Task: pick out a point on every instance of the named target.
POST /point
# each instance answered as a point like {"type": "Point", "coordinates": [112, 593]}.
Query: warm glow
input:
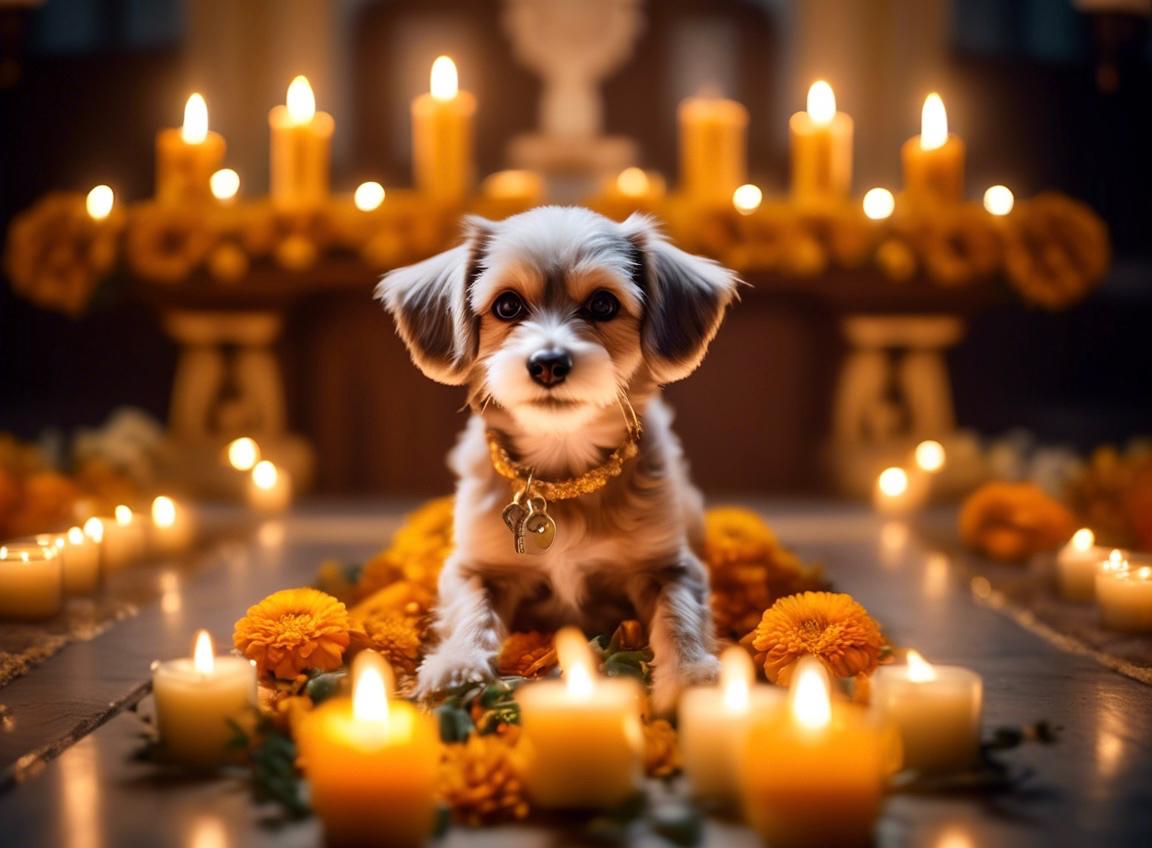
{"type": "Point", "coordinates": [163, 511]}
{"type": "Point", "coordinates": [243, 453]}
{"type": "Point", "coordinates": [195, 128]}
{"type": "Point", "coordinates": [893, 482]}
{"type": "Point", "coordinates": [1144, 572]}
{"type": "Point", "coordinates": [576, 661]}
{"type": "Point", "coordinates": [123, 515]}
{"type": "Point", "coordinates": [370, 683]}
{"type": "Point", "coordinates": [94, 530]}
{"type": "Point", "coordinates": [1083, 539]}
{"type": "Point", "coordinates": [930, 456]}
{"type": "Point", "coordinates": [225, 183]}
{"type": "Point", "coordinates": [809, 700]}
{"type": "Point", "coordinates": [747, 198]}
{"type": "Point", "coordinates": [368, 196]}
{"type": "Point", "coordinates": [933, 123]}
{"type": "Point", "coordinates": [203, 657]}
{"type": "Point", "coordinates": [632, 182]}
{"type": "Point", "coordinates": [265, 475]}
{"type": "Point", "coordinates": [444, 82]}
{"type": "Point", "coordinates": [1116, 561]}
{"type": "Point", "coordinates": [75, 536]}
{"type": "Point", "coordinates": [99, 202]}
{"type": "Point", "coordinates": [736, 674]}
{"type": "Point", "coordinates": [821, 103]}
{"type": "Point", "coordinates": [879, 204]}
{"type": "Point", "coordinates": [301, 101]}
{"type": "Point", "coordinates": [999, 200]}
{"type": "Point", "coordinates": [919, 669]}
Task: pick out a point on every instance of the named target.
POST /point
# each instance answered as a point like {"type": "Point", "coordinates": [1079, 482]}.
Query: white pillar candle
{"type": "Point", "coordinates": [79, 560]}
{"type": "Point", "coordinates": [196, 699]}
{"type": "Point", "coordinates": [581, 736]}
{"type": "Point", "coordinates": [937, 710]}
{"type": "Point", "coordinates": [269, 488]}
{"type": "Point", "coordinates": [31, 581]}
{"type": "Point", "coordinates": [1124, 596]}
{"type": "Point", "coordinates": [173, 526]}
{"type": "Point", "coordinates": [714, 721]}
{"type": "Point", "coordinates": [1076, 565]}
{"type": "Point", "coordinates": [123, 538]}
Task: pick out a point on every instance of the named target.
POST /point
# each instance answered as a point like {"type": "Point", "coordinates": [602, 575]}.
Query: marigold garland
{"type": "Point", "coordinates": [294, 631]}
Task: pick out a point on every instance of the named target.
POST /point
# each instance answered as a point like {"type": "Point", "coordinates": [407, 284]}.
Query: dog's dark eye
{"type": "Point", "coordinates": [508, 306]}
{"type": "Point", "coordinates": [602, 306]}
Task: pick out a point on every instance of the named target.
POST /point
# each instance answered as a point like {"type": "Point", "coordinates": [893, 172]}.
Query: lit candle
{"type": "Point", "coordinates": [898, 492]}
{"type": "Point", "coordinates": [123, 537]}
{"type": "Point", "coordinates": [442, 158]}
{"type": "Point", "coordinates": [713, 149]}
{"type": "Point", "coordinates": [746, 199]}
{"type": "Point", "coordinates": [937, 709]}
{"type": "Point", "coordinates": [821, 149]}
{"type": "Point", "coordinates": [225, 185]}
{"type": "Point", "coordinates": [243, 453]}
{"type": "Point", "coordinates": [173, 526]}
{"type": "Point", "coordinates": [713, 722]}
{"type": "Point", "coordinates": [371, 762]}
{"type": "Point", "coordinates": [79, 558]}
{"type": "Point", "coordinates": [197, 699]}
{"type": "Point", "coordinates": [301, 149]}
{"type": "Point", "coordinates": [999, 200]}
{"type": "Point", "coordinates": [99, 202]}
{"type": "Point", "coordinates": [1076, 566]}
{"type": "Point", "coordinates": [878, 204]}
{"type": "Point", "coordinates": [930, 456]}
{"type": "Point", "coordinates": [187, 157]}
{"type": "Point", "coordinates": [368, 196]}
{"type": "Point", "coordinates": [1124, 595]}
{"type": "Point", "coordinates": [31, 581]}
{"type": "Point", "coordinates": [526, 188]}
{"type": "Point", "coordinates": [813, 771]}
{"type": "Point", "coordinates": [581, 735]}
{"type": "Point", "coordinates": [269, 487]}
{"type": "Point", "coordinates": [933, 160]}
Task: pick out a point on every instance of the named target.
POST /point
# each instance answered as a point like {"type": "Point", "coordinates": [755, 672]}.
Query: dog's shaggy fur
{"type": "Point", "coordinates": [628, 550]}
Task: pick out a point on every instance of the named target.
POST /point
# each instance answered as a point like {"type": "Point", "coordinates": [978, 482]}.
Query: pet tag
{"type": "Point", "coordinates": [538, 530]}
{"type": "Point", "coordinates": [514, 514]}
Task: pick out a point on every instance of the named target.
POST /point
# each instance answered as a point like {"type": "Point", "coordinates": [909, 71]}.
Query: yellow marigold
{"type": "Point", "coordinates": [405, 597]}
{"type": "Point", "coordinates": [417, 551]}
{"type": "Point", "coordinates": [480, 780]}
{"type": "Point", "coordinates": [292, 631]}
{"type": "Point", "coordinates": [1013, 521]}
{"type": "Point", "coordinates": [661, 752]}
{"type": "Point", "coordinates": [734, 534]}
{"type": "Point", "coordinates": [397, 637]}
{"type": "Point", "coordinates": [832, 627]}
{"type": "Point", "coordinates": [529, 654]}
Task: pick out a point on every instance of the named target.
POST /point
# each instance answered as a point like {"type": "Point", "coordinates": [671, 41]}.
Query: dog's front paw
{"type": "Point", "coordinates": [453, 665]}
{"type": "Point", "coordinates": [669, 681]}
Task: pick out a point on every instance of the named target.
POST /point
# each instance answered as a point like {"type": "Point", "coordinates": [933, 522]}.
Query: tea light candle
{"type": "Point", "coordinates": [173, 526]}
{"type": "Point", "coordinates": [301, 149]}
{"type": "Point", "coordinates": [31, 581]}
{"type": "Point", "coordinates": [442, 157]}
{"type": "Point", "coordinates": [713, 722]}
{"type": "Point", "coordinates": [899, 492]}
{"type": "Point", "coordinates": [371, 762]}
{"type": "Point", "coordinates": [713, 149]}
{"type": "Point", "coordinates": [79, 559]}
{"type": "Point", "coordinates": [933, 160]}
{"type": "Point", "coordinates": [123, 538]}
{"type": "Point", "coordinates": [269, 487]}
{"type": "Point", "coordinates": [1076, 566]}
{"type": "Point", "coordinates": [1124, 596]}
{"type": "Point", "coordinates": [821, 149]}
{"type": "Point", "coordinates": [187, 157]}
{"type": "Point", "coordinates": [937, 710]}
{"type": "Point", "coordinates": [813, 771]}
{"type": "Point", "coordinates": [196, 699]}
{"type": "Point", "coordinates": [581, 735]}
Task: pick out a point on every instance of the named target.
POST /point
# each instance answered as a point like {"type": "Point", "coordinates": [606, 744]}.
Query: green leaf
{"type": "Point", "coordinates": [323, 686]}
{"type": "Point", "coordinates": [455, 723]}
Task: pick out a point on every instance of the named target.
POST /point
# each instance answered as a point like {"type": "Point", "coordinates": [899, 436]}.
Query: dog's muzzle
{"type": "Point", "coordinates": [550, 366]}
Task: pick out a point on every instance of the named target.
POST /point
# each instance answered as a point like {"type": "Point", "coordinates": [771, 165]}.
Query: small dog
{"type": "Point", "coordinates": [563, 325]}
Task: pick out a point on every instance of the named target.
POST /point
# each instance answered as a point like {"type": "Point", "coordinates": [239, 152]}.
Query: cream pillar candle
{"type": "Point", "coordinates": [1076, 566]}
{"type": "Point", "coordinates": [713, 149]}
{"type": "Point", "coordinates": [196, 699]}
{"type": "Point", "coordinates": [933, 160]}
{"type": "Point", "coordinates": [124, 538]}
{"type": "Point", "coordinates": [371, 763]}
{"type": "Point", "coordinates": [442, 156]}
{"type": "Point", "coordinates": [269, 487]}
{"type": "Point", "coordinates": [187, 157]}
{"type": "Point", "coordinates": [821, 150]}
{"type": "Point", "coordinates": [1124, 596]}
{"type": "Point", "coordinates": [79, 559]}
{"type": "Point", "coordinates": [581, 736]}
{"type": "Point", "coordinates": [31, 581]}
{"type": "Point", "coordinates": [937, 710]}
{"type": "Point", "coordinates": [713, 721]}
{"type": "Point", "coordinates": [173, 526]}
{"type": "Point", "coordinates": [301, 149]}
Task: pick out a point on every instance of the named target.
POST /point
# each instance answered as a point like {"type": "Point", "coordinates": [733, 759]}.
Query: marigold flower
{"type": "Point", "coordinates": [830, 626]}
{"type": "Point", "coordinates": [480, 780]}
{"type": "Point", "coordinates": [1013, 521]}
{"type": "Point", "coordinates": [397, 637]}
{"type": "Point", "coordinates": [529, 654]}
{"type": "Point", "coordinates": [404, 597]}
{"type": "Point", "coordinates": [661, 751]}
{"type": "Point", "coordinates": [292, 631]}
{"type": "Point", "coordinates": [417, 551]}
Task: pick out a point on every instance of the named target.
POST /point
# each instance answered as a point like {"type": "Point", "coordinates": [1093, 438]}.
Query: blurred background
{"type": "Point", "coordinates": [1048, 94]}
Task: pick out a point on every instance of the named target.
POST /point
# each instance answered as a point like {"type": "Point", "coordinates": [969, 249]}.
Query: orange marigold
{"type": "Point", "coordinates": [530, 654]}
{"type": "Point", "coordinates": [409, 599]}
{"type": "Point", "coordinates": [397, 637]}
{"type": "Point", "coordinates": [1013, 521]}
{"type": "Point", "coordinates": [292, 631]}
{"type": "Point", "coordinates": [417, 551]}
{"type": "Point", "coordinates": [661, 752]}
{"type": "Point", "coordinates": [480, 780]}
{"type": "Point", "coordinates": [830, 626]}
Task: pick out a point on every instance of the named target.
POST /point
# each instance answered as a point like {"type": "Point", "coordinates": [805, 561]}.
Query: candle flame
{"type": "Point", "coordinates": [203, 657]}
{"type": "Point", "coordinates": [265, 475]}
{"type": "Point", "coordinates": [933, 123]}
{"type": "Point", "coordinates": [632, 182]}
{"type": "Point", "coordinates": [930, 456]}
{"type": "Point", "coordinates": [371, 680]}
{"type": "Point", "coordinates": [444, 82]}
{"type": "Point", "coordinates": [94, 530]}
{"type": "Point", "coordinates": [75, 536]}
{"type": "Point", "coordinates": [747, 198]}
{"type": "Point", "coordinates": [576, 661]}
{"type": "Point", "coordinates": [1144, 572]}
{"type": "Point", "coordinates": [1083, 539]}
{"type": "Point", "coordinates": [99, 202]}
{"type": "Point", "coordinates": [24, 557]}
{"type": "Point", "coordinates": [809, 700]}
{"type": "Point", "coordinates": [368, 196]}
{"type": "Point", "coordinates": [225, 184]}
{"type": "Point", "coordinates": [919, 669]}
{"type": "Point", "coordinates": [243, 453]}
{"type": "Point", "coordinates": [999, 200]}
{"type": "Point", "coordinates": [123, 515]}
{"type": "Point", "coordinates": [1116, 561]}
{"type": "Point", "coordinates": [301, 101]}
{"type": "Point", "coordinates": [893, 482]}
{"type": "Point", "coordinates": [736, 673]}
{"type": "Point", "coordinates": [879, 204]}
{"type": "Point", "coordinates": [195, 128]}
{"type": "Point", "coordinates": [821, 103]}
{"type": "Point", "coordinates": [163, 511]}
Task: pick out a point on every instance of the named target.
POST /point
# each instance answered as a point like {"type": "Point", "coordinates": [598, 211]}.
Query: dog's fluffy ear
{"type": "Point", "coordinates": [429, 302]}
{"type": "Point", "coordinates": [684, 300]}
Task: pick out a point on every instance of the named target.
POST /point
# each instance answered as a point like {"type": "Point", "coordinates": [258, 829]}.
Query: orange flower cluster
{"type": "Point", "coordinates": [294, 631]}
{"type": "Point", "coordinates": [417, 551]}
{"type": "Point", "coordinates": [480, 780]}
{"type": "Point", "coordinates": [1113, 496]}
{"type": "Point", "coordinates": [661, 749]}
{"type": "Point", "coordinates": [1013, 521]}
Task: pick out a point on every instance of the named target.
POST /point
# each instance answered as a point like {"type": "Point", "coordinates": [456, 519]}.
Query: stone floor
{"type": "Point", "coordinates": [70, 781]}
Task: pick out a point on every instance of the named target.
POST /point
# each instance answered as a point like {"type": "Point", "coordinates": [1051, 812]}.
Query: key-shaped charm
{"type": "Point", "coordinates": [538, 529]}
{"type": "Point", "coordinates": [514, 515]}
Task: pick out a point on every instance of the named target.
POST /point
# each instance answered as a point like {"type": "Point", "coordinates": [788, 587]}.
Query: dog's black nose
{"type": "Point", "coordinates": [550, 366]}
